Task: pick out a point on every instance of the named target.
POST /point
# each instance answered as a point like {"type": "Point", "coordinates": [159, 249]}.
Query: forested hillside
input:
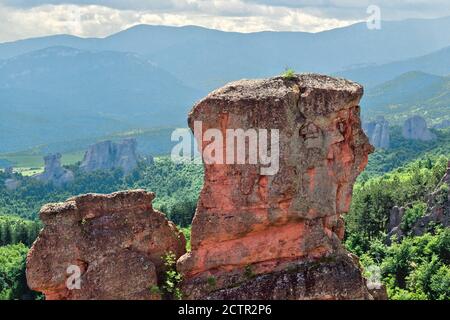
{"type": "Point", "coordinates": [59, 94]}
{"type": "Point", "coordinates": [16, 236]}
{"type": "Point", "coordinates": [176, 186]}
{"type": "Point", "coordinates": [416, 267]}
{"type": "Point", "coordinates": [412, 93]}
{"type": "Point", "coordinates": [403, 151]}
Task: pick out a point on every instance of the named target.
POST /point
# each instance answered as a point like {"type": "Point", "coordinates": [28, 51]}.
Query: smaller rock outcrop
{"type": "Point", "coordinates": [378, 133]}
{"type": "Point", "coordinates": [415, 128]}
{"type": "Point", "coordinates": [109, 155]}
{"type": "Point", "coordinates": [54, 172]}
{"type": "Point", "coordinates": [112, 244]}
{"type": "Point", "coordinates": [11, 183]}
{"type": "Point", "coordinates": [394, 224]}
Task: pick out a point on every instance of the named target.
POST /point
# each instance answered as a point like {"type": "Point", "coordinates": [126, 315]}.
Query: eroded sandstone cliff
{"type": "Point", "coordinates": [279, 236]}
{"type": "Point", "coordinates": [107, 155]}
{"type": "Point", "coordinates": [114, 242]}
{"type": "Point", "coordinates": [378, 133]}
{"type": "Point", "coordinates": [416, 128]}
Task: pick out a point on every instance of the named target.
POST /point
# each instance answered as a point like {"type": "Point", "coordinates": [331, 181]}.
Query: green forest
{"type": "Point", "coordinates": [415, 267]}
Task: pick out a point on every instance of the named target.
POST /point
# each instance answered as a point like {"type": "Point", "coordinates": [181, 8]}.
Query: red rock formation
{"type": "Point", "coordinates": [116, 241]}
{"type": "Point", "coordinates": [252, 223]}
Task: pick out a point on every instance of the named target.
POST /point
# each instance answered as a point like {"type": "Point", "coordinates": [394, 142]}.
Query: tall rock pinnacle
{"type": "Point", "coordinates": [249, 228]}
{"type": "Point", "coordinates": [107, 155]}
{"type": "Point", "coordinates": [54, 172]}
{"type": "Point", "coordinates": [415, 128]}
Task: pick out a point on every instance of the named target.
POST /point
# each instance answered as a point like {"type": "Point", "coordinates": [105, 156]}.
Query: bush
{"type": "Point", "coordinates": [440, 283]}
{"type": "Point", "coordinates": [417, 268]}
{"type": "Point", "coordinates": [288, 74]}
{"type": "Point", "coordinates": [12, 273]}
{"type": "Point", "coordinates": [373, 199]}
{"type": "Point", "coordinates": [177, 187]}
{"type": "Point", "coordinates": [412, 215]}
{"type": "Point", "coordinates": [173, 278]}
{"type": "Point", "coordinates": [15, 230]}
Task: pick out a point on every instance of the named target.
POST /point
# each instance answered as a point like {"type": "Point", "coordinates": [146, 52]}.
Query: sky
{"type": "Point", "coordinates": [20, 19]}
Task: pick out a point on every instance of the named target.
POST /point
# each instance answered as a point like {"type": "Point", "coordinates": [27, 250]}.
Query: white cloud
{"type": "Point", "coordinates": [29, 18]}
{"type": "Point", "coordinates": [97, 21]}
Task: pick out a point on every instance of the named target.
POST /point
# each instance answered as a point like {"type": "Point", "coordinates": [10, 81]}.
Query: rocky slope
{"type": "Point", "coordinates": [109, 155]}
{"type": "Point", "coordinates": [437, 213]}
{"type": "Point", "coordinates": [415, 128]}
{"type": "Point", "coordinates": [378, 133]}
{"type": "Point", "coordinates": [283, 231]}
{"type": "Point", "coordinates": [54, 172]}
{"type": "Point", "coordinates": [115, 243]}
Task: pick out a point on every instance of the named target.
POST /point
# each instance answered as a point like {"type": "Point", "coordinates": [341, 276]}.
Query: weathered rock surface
{"type": "Point", "coordinates": [261, 224]}
{"type": "Point", "coordinates": [438, 212]}
{"type": "Point", "coordinates": [378, 133]}
{"type": "Point", "coordinates": [331, 278]}
{"type": "Point", "coordinates": [109, 155]}
{"type": "Point", "coordinates": [394, 224]}
{"type": "Point", "coordinates": [415, 128]}
{"type": "Point", "coordinates": [54, 172]}
{"type": "Point", "coordinates": [378, 292]}
{"type": "Point", "coordinates": [117, 241]}
{"type": "Point", "coordinates": [395, 217]}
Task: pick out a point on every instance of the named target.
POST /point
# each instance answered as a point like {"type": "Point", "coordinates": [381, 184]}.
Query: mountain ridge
{"type": "Point", "coordinates": [62, 92]}
{"type": "Point", "coordinates": [437, 62]}
{"type": "Point", "coordinates": [411, 93]}
{"type": "Point", "coordinates": [352, 45]}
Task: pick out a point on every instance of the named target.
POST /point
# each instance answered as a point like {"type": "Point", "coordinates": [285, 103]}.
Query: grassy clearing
{"type": "Point", "coordinates": [29, 163]}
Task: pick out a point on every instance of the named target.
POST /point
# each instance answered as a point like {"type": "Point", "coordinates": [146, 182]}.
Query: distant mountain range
{"type": "Point", "coordinates": [64, 88]}
{"type": "Point", "coordinates": [59, 94]}
{"type": "Point", "coordinates": [437, 63]}
{"type": "Point", "coordinates": [206, 58]}
{"type": "Point", "coordinates": [412, 93]}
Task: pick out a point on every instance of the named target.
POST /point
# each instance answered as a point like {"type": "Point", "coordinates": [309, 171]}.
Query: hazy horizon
{"type": "Point", "coordinates": [100, 18]}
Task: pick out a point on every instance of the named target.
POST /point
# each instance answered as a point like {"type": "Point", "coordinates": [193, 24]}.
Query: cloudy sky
{"type": "Point", "coordinates": [97, 18]}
